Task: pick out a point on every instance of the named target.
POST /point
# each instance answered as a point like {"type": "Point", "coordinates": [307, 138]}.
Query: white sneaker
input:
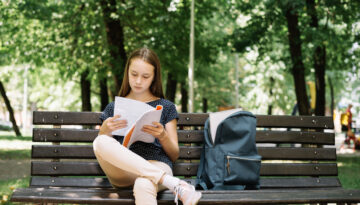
{"type": "Point", "coordinates": [186, 193]}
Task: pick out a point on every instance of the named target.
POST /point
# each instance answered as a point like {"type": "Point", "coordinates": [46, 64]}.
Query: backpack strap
{"type": "Point", "coordinates": [202, 179]}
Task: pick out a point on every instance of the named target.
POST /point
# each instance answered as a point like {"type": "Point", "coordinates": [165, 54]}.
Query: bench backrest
{"type": "Point", "coordinates": [292, 150]}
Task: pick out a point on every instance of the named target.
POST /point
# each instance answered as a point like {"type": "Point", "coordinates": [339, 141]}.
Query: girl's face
{"type": "Point", "coordinates": [141, 75]}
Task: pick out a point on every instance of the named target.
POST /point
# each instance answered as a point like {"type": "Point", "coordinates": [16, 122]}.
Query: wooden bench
{"type": "Point", "coordinates": [296, 167]}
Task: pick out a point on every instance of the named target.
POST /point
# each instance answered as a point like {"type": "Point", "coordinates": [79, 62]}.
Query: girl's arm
{"type": "Point", "coordinates": [167, 136]}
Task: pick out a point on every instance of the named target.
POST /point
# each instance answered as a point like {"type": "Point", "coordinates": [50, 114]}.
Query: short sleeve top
{"type": "Point", "coordinates": [149, 151]}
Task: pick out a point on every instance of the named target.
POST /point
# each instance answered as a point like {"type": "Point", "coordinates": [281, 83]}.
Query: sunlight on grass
{"type": "Point", "coordinates": [7, 186]}
{"type": "Point", "coordinates": [11, 136]}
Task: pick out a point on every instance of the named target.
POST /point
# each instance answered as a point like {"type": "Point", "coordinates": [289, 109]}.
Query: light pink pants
{"type": "Point", "coordinates": [125, 168]}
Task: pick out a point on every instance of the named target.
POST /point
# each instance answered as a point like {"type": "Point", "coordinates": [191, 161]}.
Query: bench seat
{"type": "Point", "coordinates": [112, 196]}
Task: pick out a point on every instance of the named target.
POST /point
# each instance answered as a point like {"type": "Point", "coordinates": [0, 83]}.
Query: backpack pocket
{"type": "Point", "coordinates": [242, 170]}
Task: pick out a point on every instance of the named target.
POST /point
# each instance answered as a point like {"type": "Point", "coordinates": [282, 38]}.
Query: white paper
{"type": "Point", "coordinates": [216, 118]}
{"type": "Point", "coordinates": [130, 110]}
{"type": "Point", "coordinates": [147, 119]}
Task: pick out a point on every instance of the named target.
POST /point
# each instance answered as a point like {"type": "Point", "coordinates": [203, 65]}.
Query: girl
{"type": "Point", "coordinates": [146, 166]}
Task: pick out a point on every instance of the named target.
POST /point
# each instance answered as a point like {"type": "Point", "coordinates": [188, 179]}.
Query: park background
{"type": "Point", "coordinates": [262, 55]}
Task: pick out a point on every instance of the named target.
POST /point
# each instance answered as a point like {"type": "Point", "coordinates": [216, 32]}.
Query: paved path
{"type": "Point", "coordinates": [339, 138]}
{"type": "Point", "coordinates": [14, 169]}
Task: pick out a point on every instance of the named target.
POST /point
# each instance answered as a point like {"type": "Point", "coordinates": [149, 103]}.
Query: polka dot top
{"type": "Point", "coordinates": [149, 151]}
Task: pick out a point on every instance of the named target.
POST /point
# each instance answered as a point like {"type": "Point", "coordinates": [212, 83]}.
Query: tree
{"type": "Point", "coordinates": [298, 68]}
{"type": "Point", "coordinates": [115, 41]}
{"type": "Point", "coordinates": [310, 25]}
{"type": "Point", "coordinates": [319, 60]}
{"type": "Point", "coordinates": [73, 42]}
{"type": "Point", "coordinates": [11, 112]}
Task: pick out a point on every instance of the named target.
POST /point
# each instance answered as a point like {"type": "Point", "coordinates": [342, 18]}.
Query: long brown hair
{"type": "Point", "coordinates": [150, 57]}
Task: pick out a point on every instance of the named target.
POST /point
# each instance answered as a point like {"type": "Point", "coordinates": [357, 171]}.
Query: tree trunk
{"type": "Point", "coordinates": [171, 88]}
{"type": "Point", "coordinates": [104, 96]}
{"type": "Point", "coordinates": [115, 40]}
{"type": "Point", "coordinates": [85, 91]}
{"type": "Point", "coordinates": [184, 98]}
{"type": "Point", "coordinates": [205, 105]}
{"type": "Point", "coordinates": [298, 68]}
{"type": "Point", "coordinates": [320, 66]}
{"type": "Point", "coordinates": [11, 112]}
{"type": "Point", "coordinates": [319, 62]}
{"type": "Point", "coordinates": [271, 101]}
{"type": "Point", "coordinates": [332, 106]}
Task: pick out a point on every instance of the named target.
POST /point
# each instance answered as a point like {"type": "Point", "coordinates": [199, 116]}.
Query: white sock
{"type": "Point", "coordinates": [170, 182]}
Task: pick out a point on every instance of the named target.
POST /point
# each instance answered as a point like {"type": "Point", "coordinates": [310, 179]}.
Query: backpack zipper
{"type": "Point", "coordinates": [241, 158]}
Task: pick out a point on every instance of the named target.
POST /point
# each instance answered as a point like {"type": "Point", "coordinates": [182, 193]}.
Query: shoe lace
{"type": "Point", "coordinates": [179, 191]}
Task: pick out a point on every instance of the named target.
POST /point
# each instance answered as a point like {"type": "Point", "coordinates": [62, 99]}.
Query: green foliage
{"type": "Point", "coordinates": [68, 37]}
{"type": "Point", "coordinates": [59, 40]}
{"type": "Point", "coordinates": [266, 33]}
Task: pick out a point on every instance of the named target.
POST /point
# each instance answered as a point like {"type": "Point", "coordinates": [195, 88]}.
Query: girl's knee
{"type": "Point", "coordinates": [144, 186]}
{"type": "Point", "coordinates": [101, 143]}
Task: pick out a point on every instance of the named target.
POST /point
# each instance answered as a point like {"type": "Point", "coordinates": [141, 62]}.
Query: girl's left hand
{"type": "Point", "coordinates": [157, 130]}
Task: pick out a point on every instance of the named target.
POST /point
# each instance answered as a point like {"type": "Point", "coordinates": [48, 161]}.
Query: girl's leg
{"type": "Point", "coordinates": [113, 157]}
{"type": "Point", "coordinates": [116, 176]}
{"type": "Point", "coordinates": [122, 167]}
{"type": "Point", "coordinates": [145, 191]}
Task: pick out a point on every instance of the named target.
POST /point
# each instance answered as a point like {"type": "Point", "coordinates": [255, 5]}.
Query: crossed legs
{"type": "Point", "coordinates": [125, 168]}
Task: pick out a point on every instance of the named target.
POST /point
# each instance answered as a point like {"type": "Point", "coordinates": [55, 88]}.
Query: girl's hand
{"type": "Point", "coordinates": [111, 124]}
{"type": "Point", "coordinates": [157, 130]}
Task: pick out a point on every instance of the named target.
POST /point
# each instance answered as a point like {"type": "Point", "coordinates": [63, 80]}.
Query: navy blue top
{"type": "Point", "coordinates": [149, 151]}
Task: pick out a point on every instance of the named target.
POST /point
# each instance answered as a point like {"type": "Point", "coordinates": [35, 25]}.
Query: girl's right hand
{"type": "Point", "coordinates": [111, 124]}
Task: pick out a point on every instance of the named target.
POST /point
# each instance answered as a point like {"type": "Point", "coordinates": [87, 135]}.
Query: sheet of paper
{"type": "Point", "coordinates": [147, 119]}
{"type": "Point", "coordinates": [130, 110]}
{"type": "Point", "coordinates": [216, 118]}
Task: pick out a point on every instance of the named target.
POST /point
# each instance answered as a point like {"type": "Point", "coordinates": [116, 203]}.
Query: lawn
{"type": "Point", "coordinates": [349, 168]}
{"type": "Point", "coordinates": [349, 171]}
{"type": "Point", "coordinates": [6, 187]}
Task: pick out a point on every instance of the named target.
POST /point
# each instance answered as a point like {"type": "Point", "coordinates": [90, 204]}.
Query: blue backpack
{"type": "Point", "coordinates": [232, 161]}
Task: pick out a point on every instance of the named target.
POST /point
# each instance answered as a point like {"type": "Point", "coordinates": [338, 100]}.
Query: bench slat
{"type": "Point", "coordinates": [319, 138]}
{"type": "Point", "coordinates": [88, 135]}
{"type": "Point", "coordinates": [66, 118]}
{"type": "Point", "coordinates": [41, 168]}
{"type": "Point", "coordinates": [187, 152]}
{"type": "Point", "coordinates": [266, 183]}
{"type": "Point", "coordinates": [193, 119]}
{"type": "Point", "coordinates": [295, 121]}
{"type": "Point", "coordinates": [76, 195]}
{"type": "Point", "coordinates": [187, 136]}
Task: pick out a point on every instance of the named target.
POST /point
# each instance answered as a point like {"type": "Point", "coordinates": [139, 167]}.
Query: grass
{"type": "Point", "coordinates": [7, 186]}
{"type": "Point", "coordinates": [15, 154]}
{"type": "Point", "coordinates": [349, 169]}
